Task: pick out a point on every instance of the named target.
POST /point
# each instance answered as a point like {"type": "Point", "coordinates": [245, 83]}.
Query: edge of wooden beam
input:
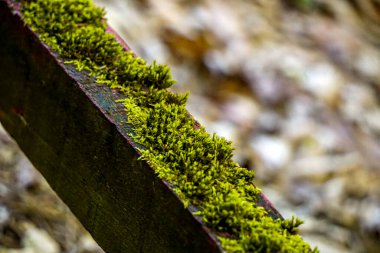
{"type": "Point", "coordinates": [76, 135]}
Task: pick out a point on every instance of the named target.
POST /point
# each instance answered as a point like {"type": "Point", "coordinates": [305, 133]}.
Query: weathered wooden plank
{"type": "Point", "coordinates": [77, 136]}
{"type": "Point", "coordinates": [74, 133]}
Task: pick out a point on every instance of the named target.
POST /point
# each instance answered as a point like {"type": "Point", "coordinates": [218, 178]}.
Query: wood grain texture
{"type": "Point", "coordinates": [75, 135]}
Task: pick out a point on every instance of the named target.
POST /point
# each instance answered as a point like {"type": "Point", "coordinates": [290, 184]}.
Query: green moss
{"type": "Point", "coordinates": [198, 165]}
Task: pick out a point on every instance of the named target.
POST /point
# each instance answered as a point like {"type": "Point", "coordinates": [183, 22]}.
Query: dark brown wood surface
{"type": "Point", "coordinates": [76, 135]}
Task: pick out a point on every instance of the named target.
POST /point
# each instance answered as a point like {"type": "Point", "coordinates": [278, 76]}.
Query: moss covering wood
{"type": "Point", "coordinates": [197, 164]}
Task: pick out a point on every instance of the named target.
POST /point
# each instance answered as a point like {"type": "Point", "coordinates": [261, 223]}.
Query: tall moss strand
{"type": "Point", "coordinates": [197, 164]}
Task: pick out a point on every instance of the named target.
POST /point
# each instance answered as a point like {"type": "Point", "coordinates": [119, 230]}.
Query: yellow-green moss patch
{"type": "Point", "coordinates": [197, 164]}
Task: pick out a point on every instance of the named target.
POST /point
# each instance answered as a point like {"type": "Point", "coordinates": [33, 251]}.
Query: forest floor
{"type": "Point", "coordinates": [295, 85]}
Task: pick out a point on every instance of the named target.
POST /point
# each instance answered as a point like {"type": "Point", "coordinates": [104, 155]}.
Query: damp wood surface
{"type": "Point", "coordinates": [76, 135]}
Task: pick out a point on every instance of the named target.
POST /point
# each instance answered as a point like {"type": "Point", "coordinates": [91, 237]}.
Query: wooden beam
{"type": "Point", "coordinates": [77, 137]}
{"type": "Point", "coordinates": [75, 134]}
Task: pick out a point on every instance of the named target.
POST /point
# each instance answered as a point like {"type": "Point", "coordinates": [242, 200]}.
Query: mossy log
{"type": "Point", "coordinates": [75, 134]}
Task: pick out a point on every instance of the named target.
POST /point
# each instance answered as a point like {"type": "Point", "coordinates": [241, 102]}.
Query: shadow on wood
{"type": "Point", "coordinates": [75, 134]}
{"type": "Point", "coordinates": [77, 137]}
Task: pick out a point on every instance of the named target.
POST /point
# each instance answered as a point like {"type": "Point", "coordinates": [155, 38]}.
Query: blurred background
{"type": "Point", "coordinates": [294, 84]}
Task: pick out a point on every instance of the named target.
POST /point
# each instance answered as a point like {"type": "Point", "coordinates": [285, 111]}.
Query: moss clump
{"type": "Point", "coordinates": [76, 30]}
{"type": "Point", "coordinates": [198, 165]}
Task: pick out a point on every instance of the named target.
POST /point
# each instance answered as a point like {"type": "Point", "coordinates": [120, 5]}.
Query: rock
{"type": "Point", "coordinates": [225, 129]}
{"type": "Point", "coordinates": [241, 110]}
{"type": "Point", "coordinates": [39, 241]}
{"type": "Point", "coordinates": [324, 245]}
{"type": "Point", "coordinates": [317, 230]}
{"type": "Point", "coordinates": [88, 245]}
{"type": "Point", "coordinates": [324, 81]}
{"type": "Point", "coordinates": [370, 224]}
{"type": "Point", "coordinates": [323, 168]}
{"type": "Point", "coordinates": [268, 122]}
{"type": "Point", "coordinates": [203, 109]}
{"type": "Point", "coordinates": [4, 215]}
{"type": "Point", "coordinates": [370, 216]}
{"type": "Point", "coordinates": [333, 190]}
{"type": "Point", "coordinates": [367, 63]}
{"type": "Point", "coordinates": [275, 152]}
{"type": "Point", "coordinates": [372, 119]}
{"type": "Point", "coordinates": [26, 174]}
{"type": "Point", "coordinates": [299, 123]}
{"type": "Point", "coordinates": [356, 99]}
{"type": "Point", "coordinates": [4, 190]}
{"type": "Point", "coordinates": [301, 193]}
{"type": "Point", "coordinates": [8, 153]}
{"type": "Point", "coordinates": [328, 139]}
